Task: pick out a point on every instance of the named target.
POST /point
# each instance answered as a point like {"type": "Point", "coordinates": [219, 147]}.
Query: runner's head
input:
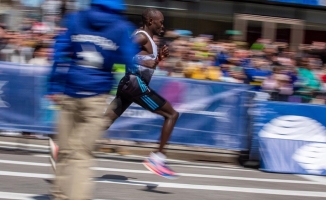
{"type": "Point", "coordinates": [153, 20]}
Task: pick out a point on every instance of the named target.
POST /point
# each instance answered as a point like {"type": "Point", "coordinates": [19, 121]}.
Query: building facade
{"type": "Point", "coordinates": [291, 21]}
{"type": "Point", "coordinates": [278, 20]}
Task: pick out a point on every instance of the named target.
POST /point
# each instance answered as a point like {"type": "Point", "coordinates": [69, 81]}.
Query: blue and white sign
{"type": "Point", "coordinates": [292, 138]}
{"type": "Point", "coordinates": [211, 114]}
{"type": "Point", "coordinates": [23, 106]}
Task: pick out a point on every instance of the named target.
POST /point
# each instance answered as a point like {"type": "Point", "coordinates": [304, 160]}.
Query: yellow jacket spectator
{"type": "Point", "coordinates": [203, 73]}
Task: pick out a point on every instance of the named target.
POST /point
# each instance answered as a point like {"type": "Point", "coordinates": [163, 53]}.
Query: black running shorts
{"type": "Point", "coordinates": [133, 89]}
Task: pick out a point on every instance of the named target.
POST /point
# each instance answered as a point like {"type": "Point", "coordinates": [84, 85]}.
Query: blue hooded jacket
{"type": "Point", "coordinates": [84, 55]}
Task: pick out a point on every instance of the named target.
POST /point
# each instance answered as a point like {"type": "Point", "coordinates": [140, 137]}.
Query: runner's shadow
{"type": "Point", "coordinates": [116, 177]}
{"type": "Point", "coordinates": [49, 181]}
{"type": "Point", "coordinates": [42, 197]}
{"type": "Point", "coordinates": [125, 180]}
{"type": "Point", "coordinates": [150, 189]}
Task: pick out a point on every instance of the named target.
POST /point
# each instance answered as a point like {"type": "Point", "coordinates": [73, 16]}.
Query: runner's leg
{"type": "Point", "coordinates": [153, 102]}
{"type": "Point", "coordinates": [170, 118]}
{"type": "Point", "coordinates": [116, 108]}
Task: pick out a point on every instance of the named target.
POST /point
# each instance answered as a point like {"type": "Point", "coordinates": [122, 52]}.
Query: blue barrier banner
{"type": "Point", "coordinates": [23, 106]}
{"type": "Point", "coordinates": [292, 137]}
{"type": "Point", "coordinates": [303, 2]}
{"type": "Point", "coordinates": [211, 114]}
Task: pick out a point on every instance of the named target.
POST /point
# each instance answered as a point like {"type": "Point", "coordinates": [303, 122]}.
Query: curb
{"type": "Point", "coordinates": [176, 152]}
{"type": "Point", "coordinates": [124, 148]}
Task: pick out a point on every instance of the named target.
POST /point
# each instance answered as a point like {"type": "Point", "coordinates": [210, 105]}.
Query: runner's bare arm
{"type": "Point", "coordinates": [141, 40]}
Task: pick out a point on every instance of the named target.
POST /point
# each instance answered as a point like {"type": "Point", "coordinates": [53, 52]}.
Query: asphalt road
{"type": "Point", "coordinates": [125, 178]}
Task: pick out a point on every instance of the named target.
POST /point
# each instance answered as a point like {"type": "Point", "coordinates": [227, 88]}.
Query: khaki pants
{"type": "Point", "coordinates": [81, 123]}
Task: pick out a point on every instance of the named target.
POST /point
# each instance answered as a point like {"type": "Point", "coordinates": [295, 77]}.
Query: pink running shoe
{"type": "Point", "coordinates": [160, 169]}
{"type": "Point", "coordinates": [54, 149]}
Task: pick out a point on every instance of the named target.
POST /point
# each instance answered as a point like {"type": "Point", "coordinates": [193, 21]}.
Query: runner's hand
{"type": "Point", "coordinates": [164, 52]}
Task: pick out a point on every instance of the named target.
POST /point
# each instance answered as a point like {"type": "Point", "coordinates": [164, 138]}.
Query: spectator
{"type": "Point", "coordinates": [3, 40]}
{"type": "Point", "coordinates": [40, 56]}
{"type": "Point", "coordinates": [15, 51]}
{"type": "Point", "coordinates": [232, 71]}
{"type": "Point", "coordinates": [278, 82]}
{"type": "Point", "coordinates": [309, 83]}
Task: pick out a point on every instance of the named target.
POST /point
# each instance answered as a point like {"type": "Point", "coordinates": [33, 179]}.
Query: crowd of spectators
{"type": "Point", "coordinates": [296, 76]}
{"type": "Point", "coordinates": [31, 45]}
{"type": "Point", "coordinates": [268, 66]}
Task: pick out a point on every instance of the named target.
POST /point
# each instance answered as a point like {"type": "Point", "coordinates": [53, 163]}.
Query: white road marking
{"type": "Point", "coordinates": [27, 175]}
{"type": "Point", "coordinates": [22, 144]}
{"type": "Point", "coordinates": [180, 174]}
{"type": "Point", "coordinates": [219, 168]}
{"type": "Point", "coordinates": [218, 188]}
{"type": "Point", "coordinates": [209, 176]}
{"type": "Point", "coordinates": [25, 163]}
{"type": "Point", "coordinates": [319, 179]}
{"type": "Point", "coordinates": [184, 186]}
{"type": "Point", "coordinates": [18, 196]}
{"type": "Point", "coordinates": [41, 156]}
{"type": "Point", "coordinates": [22, 196]}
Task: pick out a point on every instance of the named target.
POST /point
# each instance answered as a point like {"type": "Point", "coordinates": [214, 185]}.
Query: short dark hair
{"type": "Point", "coordinates": [148, 12]}
{"type": "Point", "coordinates": [38, 47]}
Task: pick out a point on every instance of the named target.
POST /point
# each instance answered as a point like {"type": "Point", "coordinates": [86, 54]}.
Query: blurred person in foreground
{"type": "Point", "coordinates": [134, 87]}
{"type": "Point", "coordinates": [95, 39]}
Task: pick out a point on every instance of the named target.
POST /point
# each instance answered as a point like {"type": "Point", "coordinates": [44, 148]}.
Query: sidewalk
{"type": "Point", "coordinates": [123, 147]}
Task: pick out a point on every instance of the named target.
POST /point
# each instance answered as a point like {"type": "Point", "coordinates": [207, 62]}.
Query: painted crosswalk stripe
{"type": "Point", "coordinates": [22, 144]}
{"type": "Point", "coordinates": [25, 163]}
{"type": "Point", "coordinates": [218, 188]}
{"type": "Point", "coordinates": [151, 184]}
{"type": "Point", "coordinates": [209, 176]}
{"type": "Point", "coordinates": [22, 196]}
{"type": "Point", "coordinates": [27, 175]}
{"type": "Point", "coordinates": [180, 174]}
{"type": "Point", "coordinates": [319, 179]}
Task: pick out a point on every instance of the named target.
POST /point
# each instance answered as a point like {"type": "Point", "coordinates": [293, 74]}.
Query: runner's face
{"type": "Point", "coordinates": [158, 26]}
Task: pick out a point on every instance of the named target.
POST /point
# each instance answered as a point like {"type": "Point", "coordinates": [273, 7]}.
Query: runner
{"type": "Point", "coordinates": [133, 87]}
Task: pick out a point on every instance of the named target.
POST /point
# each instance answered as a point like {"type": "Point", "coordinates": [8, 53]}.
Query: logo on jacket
{"type": "Point", "coordinates": [106, 44]}
{"type": "Point", "coordinates": [91, 58]}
